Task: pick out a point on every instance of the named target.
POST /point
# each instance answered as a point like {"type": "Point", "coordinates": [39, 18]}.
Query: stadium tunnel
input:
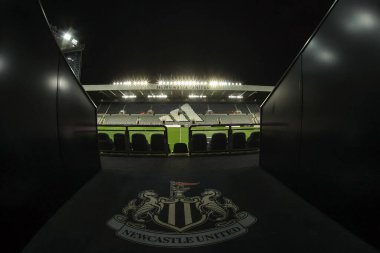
{"type": "Point", "coordinates": [314, 187]}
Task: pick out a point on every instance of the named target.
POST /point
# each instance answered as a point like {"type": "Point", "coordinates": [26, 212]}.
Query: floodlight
{"type": "Point", "coordinates": [67, 36]}
{"type": "Point", "coordinates": [197, 96]}
{"type": "Point", "coordinates": [235, 97]}
{"type": "Point", "coordinates": [158, 96]}
{"type": "Point", "coordinates": [74, 41]}
{"type": "Point", "coordinates": [129, 96]}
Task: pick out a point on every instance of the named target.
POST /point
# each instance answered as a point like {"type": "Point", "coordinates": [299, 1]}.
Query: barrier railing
{"type": "Point", "coordinates": [216, 143]}
{"type": "Point", "coordinates": [199, 139]}
{"type": "Point", "coordinates": [124, 144]}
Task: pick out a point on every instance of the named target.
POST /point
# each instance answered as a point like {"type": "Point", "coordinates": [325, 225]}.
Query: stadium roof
{"type": "Point", "coordinates": [186, 90]}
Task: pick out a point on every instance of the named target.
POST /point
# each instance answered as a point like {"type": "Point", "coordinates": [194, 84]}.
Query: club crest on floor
{"type": "Point", "coordinates": [180, 220]}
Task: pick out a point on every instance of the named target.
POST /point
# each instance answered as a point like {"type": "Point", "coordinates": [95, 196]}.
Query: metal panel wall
{"type": "Point", "coordinates": [77, 126]}
{"type": "Point", "coordinates": [338, 160]}
{"type": "Point", "coordinates": [36, 174]}
{"type": "Point", "coordinates": [281, 125]}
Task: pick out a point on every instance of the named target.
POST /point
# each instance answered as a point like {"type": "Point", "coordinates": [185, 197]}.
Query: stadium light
{"type": "Point", "coordinates": [129, 96]}
{"type": "Point", "coordinates": [74, 41]}
{"type": "Point", "coordinates": [193, 82]}
{"type": "Point", "coordinates": [133, 82]}
{"type": "Point", "coordinates": [67, 36]}
{"type": "Point", "coordinates": [235, 97]}
{"type": "Point", "coordinates": [158, 96]}
{"type": "Point", "coordinates": [197, 96]}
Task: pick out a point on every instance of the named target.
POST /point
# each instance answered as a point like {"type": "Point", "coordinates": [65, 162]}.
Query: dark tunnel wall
{"type": "Point", "coordinates": [48, 135]}
{"type": "Point", "coordinates": [281, 124]}
{"type": "Point", "coordinates": [78, 144]}
{"type": "Point", "coordinates": [338, 160]}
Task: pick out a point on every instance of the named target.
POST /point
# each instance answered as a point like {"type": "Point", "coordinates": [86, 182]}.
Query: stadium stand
{"type": "Point", "coordinates": [165, 118]}
{"type": "Point", "coordinates": [103, 108]}
{"type": "Point", "coordinates": [149, 120]}
{"type": "Point", "coordinates": [131, 114]}
{"type": "Point", "coordinates": [132, 119]}
{"type": "Point", "coordinates": [100, 119]}
{"type": "Point", "coordinates": [116, 108]}
{"type": "Point", "coordinates": [211, 119]}
{"type": "Point", "coordinates": [199, 108]}
{"type": "Point", "coordinates": [115, 119]}
{"type": "Point", "coordinates": [178, 115]}
{"type": "Point", "coordinates": [137, 108]}
{"type": "Point", "coordinates": [254, 110]}
{"type": "Point", "coordinates": [237, 119]}
{"type": "Point", "coordinates": [193, 117]}
{"type": "Point", "coordinates": [222, 108]}
{"type": "Point", "coordinates": [164, 108]}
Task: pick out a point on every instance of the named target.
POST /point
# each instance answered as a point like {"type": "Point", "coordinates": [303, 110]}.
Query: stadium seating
{"type": "Point", "coordinates": [120, 142]}
{"type": "Point", "coordinates": [198, 143]}
{"type": "Point", "coordinates": [104, 142]}
{"type": "Point", "coordinates": [100, 119]}
{"type": "Point", "coordinates": [178, 116]}
{"type": "Point", "coordinates": [199, 108]}
{"type": "Point", "coordinates": [137, 108]}
{"type": "Point", "coordinates": [164, 108]}
{"type": "Point", "coordinates": [150, 120]}
{"type": "Point", "coordinates": [139, 143]}
{"type": "Point", "coordinates": [109, 114]}
{"type": "Point", "coordinates": [211, 119]}
{"type": "Point", "coordinates": [238, 141]}
{"type": "Point", "coordinates": [218, 142]}
{"type": "Point", "coordinates": [253, 140]}
{"type": "Point", "coordinates": [158, 143]}
{"type": "Point", "coordinates": [115, 119]}
{"type": "Point", "coordinates": [116, 108]}
{"type": "Point", "coordinates": [186, 108]}
{"type": "Point", "coordinates": [132, 119]}
{"type": "Point", "coordinates": [236, 119]}
{"type": "Point", "coordinates": [180, 148]}
{"type": "Point", "coordinates": [102, 108]}
{"type": "Point", "coordinates": [222, 108]}
{"type": "Point", "coordinates": [165, 118]}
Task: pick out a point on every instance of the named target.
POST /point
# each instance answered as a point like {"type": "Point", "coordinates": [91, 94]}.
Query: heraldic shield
{"type": "Point", "coordinates": [180, 213]}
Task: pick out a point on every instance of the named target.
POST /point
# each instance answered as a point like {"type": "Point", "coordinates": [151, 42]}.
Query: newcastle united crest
{"type": "Point", "coordinates": [180, 220]}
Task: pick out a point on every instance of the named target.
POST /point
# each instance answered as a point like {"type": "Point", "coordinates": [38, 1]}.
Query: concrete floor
{"type": "Point", "coordinates": [285, 222]}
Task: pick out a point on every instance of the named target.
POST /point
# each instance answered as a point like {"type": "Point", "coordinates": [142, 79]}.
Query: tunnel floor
{"type": "Point", "coordinates": [217, 204]}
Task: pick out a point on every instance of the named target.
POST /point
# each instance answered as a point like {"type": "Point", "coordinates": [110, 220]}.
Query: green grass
{"type": "Point", "coordinates": [175, 134]}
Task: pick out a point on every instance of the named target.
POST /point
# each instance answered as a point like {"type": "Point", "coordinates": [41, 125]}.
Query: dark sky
{"type": "Point", "coordinates": [248, 41]}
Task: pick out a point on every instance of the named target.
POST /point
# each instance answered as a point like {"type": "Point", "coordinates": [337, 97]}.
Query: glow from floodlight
{"type": "Point", "coordinates": [2, 63]}
{"type": "Point", "coordinates": [235, 96]}
{"type": "Point", "coordinates": [67, 36]}
{"type": "Point", "coordinates": [158, 96]}
{"type": "Point", "coordinates": [129, 96]}
{"type": "Point", "coordinates": [197, 96]}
